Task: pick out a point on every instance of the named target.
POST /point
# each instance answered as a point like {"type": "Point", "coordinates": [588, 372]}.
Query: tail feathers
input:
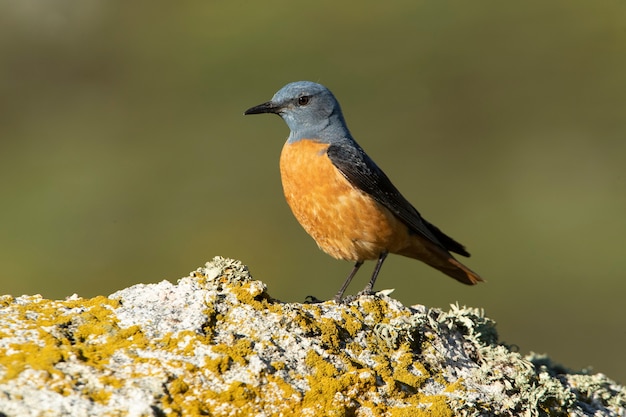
{"type": "Point", "coordinates": [460, 272]}
{"type": "Point", "coordinates": [440, 259]}
{"type": "Point", "coordinates": [447, 242]}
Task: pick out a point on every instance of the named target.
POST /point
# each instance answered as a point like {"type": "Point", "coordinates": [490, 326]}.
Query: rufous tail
{"type": "Point", "coordinates": [440, 259]}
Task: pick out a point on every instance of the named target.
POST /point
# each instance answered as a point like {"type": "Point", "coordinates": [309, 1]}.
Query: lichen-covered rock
{"type": "Point", "coordinates": [217, 344]}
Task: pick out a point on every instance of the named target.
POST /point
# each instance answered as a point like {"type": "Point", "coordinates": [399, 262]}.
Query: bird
{"type": "Point", "coordinates": [342, 199]}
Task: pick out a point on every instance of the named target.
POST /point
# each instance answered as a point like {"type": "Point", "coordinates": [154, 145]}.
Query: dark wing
{"type": "Point", "coordinates": [364, 174]}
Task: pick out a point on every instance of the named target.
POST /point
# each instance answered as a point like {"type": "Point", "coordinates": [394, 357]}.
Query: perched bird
{"type": "Point", "coordinates": [342, 198]}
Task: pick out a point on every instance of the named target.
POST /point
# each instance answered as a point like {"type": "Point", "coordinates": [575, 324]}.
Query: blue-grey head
{"type": "Point", "coordinates": [310, 110]}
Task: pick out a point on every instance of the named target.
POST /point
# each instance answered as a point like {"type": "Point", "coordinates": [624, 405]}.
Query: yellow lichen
{"type": "Point", "coordinates": [251, 294]}
{"type": "Point", "coordinates": [100, 396]}
{"type": "Point", "coordinates": [352, 321]}
{"type": "Point", "coordinates": [238, 352]}
{"type": "Point", "coordinates": [377, 310]}
{"type": "Point", "coordinates": [217, 365]}
{"type": "Point", "coordinates": [30, 355]}
{"type": "Point", "coordinates": [402, 374]}
{"type": "Point", "coordinates": [6, 300]}
{"type": "Point", "coordinates": [329, 336]}
{"type": "Point", "coordinates": [431, 406]}
{"type": "Point", "coordinates": [87, 330]}
{"type": "Point", "coordinates": [306, 318]}
{"type": "Point", "coordinates": [325, 383]}
{"type": "Point", "coordinates": [89, 334]}
{"type": "Point", "coordinates": [455, 386]}
{"type": "Point", "coordinates": [178, 386]}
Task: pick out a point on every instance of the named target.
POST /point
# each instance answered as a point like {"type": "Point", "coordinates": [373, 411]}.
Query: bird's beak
{"type": "Point", "coordinates": [267, 107]}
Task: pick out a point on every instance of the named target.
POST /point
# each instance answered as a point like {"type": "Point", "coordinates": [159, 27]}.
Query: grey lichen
{"type": "Point", "coordinates": [217, 344]}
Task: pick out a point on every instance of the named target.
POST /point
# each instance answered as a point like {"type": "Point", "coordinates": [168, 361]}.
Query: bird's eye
{"type": "Point", "coordinates": [303, 100]}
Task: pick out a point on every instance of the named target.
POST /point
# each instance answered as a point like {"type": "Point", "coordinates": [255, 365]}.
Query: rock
{"type": "Point", "coordinates": [217, 344]}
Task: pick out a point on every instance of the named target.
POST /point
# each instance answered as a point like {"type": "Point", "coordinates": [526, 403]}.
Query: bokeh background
{"type": "Point", "coordinates": [125, 157]}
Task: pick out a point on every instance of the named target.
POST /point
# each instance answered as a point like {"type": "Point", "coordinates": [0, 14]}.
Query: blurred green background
{"type": "Point", "coordinates": [125, 157]}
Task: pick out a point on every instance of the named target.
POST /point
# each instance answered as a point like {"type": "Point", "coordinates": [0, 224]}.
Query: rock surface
{"type": "Point", "coordinates": [217, 344]}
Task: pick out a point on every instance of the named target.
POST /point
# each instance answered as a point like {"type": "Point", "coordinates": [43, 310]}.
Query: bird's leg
{"type": "Point", "coordinates": [370, 285]}
{"type": "Point", "coordinates": [339, 295]}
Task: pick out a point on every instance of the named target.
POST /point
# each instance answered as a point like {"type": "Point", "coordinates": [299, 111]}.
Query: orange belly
{"type": "Point", "coordinates": [346, 223]}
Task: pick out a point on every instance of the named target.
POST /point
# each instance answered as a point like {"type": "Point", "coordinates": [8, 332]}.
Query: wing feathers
{"type": "Point", "coordinates": [363, 173]}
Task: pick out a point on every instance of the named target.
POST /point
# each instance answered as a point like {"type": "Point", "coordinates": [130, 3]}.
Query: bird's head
{"type": "Point", "coordinates": [309, 109]}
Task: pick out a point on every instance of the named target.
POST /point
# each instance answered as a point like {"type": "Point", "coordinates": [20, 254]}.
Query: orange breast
{"type": "Point", "coordinates": [346, 223]}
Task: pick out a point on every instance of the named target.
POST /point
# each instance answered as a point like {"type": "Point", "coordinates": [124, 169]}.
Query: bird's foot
{"type": "Point", "coordinates": [350, 298]}
{"type": "Point", "coordinates": [346, 300]}
{"type": "Point", "coordinates": [311, 299]}
{"type": "Point", "coordinates": [364, 292]}
{"type": "Point", "coordinates": [368, 290]}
